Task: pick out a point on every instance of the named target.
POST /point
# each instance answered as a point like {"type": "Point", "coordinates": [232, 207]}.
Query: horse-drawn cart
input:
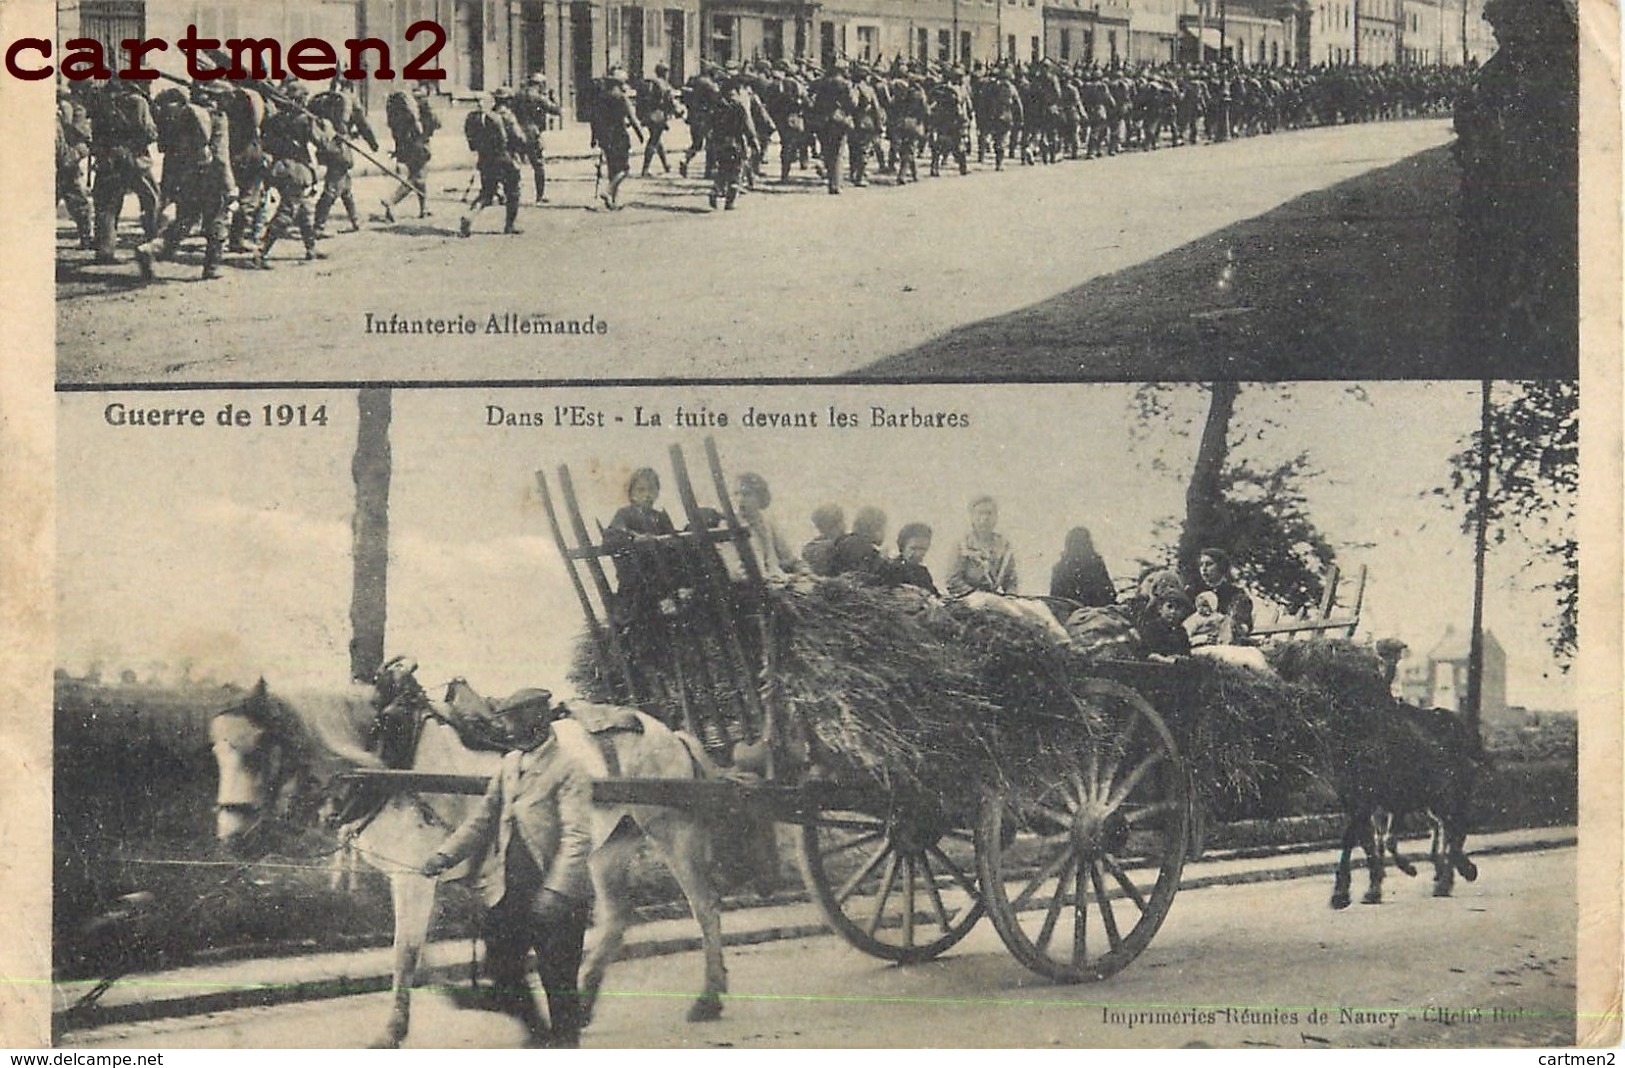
{"type": "Point", "coordinates": [1069, 830]}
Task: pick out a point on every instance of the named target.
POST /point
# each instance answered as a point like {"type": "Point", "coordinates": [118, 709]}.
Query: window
{"type": "Point", "coordinates": [724, 38]}
{"type": "Point", "coordinates": [868, 43]}
{"type": "Point", "coordinates": [1066, 46]}
{"type": "Point", "coordinates": [924, 51]}
{"type": "Point", "coordinates": [1009, 47]}
{"type": "Point", "coordinates": [945, 46]}
{"type": "Point", "coordinates": [773, 39]}
{"type": "Point", "coordinates": [964, 45]}
{"type": "Point", "coordinates": [1037, 50]}
{"type": "Point", "coordinates": [1111, 43]}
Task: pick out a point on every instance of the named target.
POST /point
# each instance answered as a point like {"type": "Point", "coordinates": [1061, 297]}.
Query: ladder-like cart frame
{"type": "Point", "coordinates": [1093, 847]}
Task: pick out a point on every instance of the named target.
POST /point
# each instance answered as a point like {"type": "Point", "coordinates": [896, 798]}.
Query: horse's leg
{"type": "Point", "coordinates": [1453, 855]}
{"type": "Point", "coordinates": [1458, 851]}
{"type": "Point", "coordinates": [685, 845]}
{"type": "Point", "coordinates": [1340, 884]}
{"type": "Point", "coordinates": [610, 866]}
{"type": "Point", "coordinates": [1388, 834]}
{"type": "Point", "coordinates": [1373, 864]}
{"type": "Point", "coordinates": [413, 897]}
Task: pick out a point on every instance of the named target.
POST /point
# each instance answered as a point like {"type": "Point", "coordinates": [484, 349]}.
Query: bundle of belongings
{"type": "Point", "coordinates": [919, 694]}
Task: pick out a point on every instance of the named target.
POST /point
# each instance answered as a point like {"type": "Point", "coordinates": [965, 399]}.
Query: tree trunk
{"type": "Point", "coordinates": [369, 531]}
{"type": "Point", "coordinates": [1203, 494]}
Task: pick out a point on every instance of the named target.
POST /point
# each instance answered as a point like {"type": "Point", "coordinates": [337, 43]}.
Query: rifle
{"type": "Point", "coordinates": [271, 93]}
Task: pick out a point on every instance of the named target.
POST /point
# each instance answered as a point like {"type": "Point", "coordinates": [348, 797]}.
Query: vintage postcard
{"type": "Point", "coordinates": [885, 524]}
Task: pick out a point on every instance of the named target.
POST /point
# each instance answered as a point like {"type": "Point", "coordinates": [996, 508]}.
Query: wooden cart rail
{"type": "Point", "coordinates": [428, 782]}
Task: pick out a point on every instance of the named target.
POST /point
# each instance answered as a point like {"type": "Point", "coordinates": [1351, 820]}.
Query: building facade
{"type": "Point", "coordinates": [1088, 31]}
{"type": "Point", "coordinates": [489, 43]}
{"type": "Point", "coordinates": [1439, 679]}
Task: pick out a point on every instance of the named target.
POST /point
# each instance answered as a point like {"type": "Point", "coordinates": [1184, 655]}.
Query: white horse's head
{"type": "Point", "coordinates": [274, 766]}
{"type": "Point", "coordinates": [254, 766]}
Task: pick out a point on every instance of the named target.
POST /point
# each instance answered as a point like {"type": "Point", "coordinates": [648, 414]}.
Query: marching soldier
{"type": "Point", "coordinates": [612, 116]}
{"type": "Point", "coordinates": [867, 121]}
{"type": "Point", "coordinates": [910, 111]}
{"type": "Point", "coordinates": [245, 111]}
{"type": "Point", "coordinates": [734, 142]}
{"type": "Point", "coordinates": [751, 88]}
{"type": "Point", "coordinates": [532, 106]}
{"type": "Point", "coordinates": [344, 114]}
{"type": "Point", "coordinates": [788, 103]}
{"type": "Point", "coordinates": [499, 145]}
{"type": "Point", "coordinates": [1004, 114]}
{"type": "Point", "coordinates": [196, 136]}
{"type": "Point", "coordinates": [122, 135]}
{"type": "Point", "coordinates": [657, 104]}
{"type": "Point", "coordinates": [288, 139]}
{"type": "Point", "coordinates": [700, 98]}
{"type": "Point", "coordinates": [412, 122]}
{"type": "Point", "coordinates": [72, 149]}
{"type": "Point", "coordinates": [950, 123]}
{"type": "Point", "coordinates": [833, 107]}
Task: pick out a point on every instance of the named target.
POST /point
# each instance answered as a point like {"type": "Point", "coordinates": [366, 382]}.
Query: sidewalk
{"type": "Point", "coordinates": [276, 981]}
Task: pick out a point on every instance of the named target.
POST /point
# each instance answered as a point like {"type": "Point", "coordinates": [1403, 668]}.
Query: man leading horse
{"type": "Point", "coordinates": [531, 836]}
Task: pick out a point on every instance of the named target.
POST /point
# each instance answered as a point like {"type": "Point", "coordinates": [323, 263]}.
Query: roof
{"type": "Point", "coordinates": [1456, 646]}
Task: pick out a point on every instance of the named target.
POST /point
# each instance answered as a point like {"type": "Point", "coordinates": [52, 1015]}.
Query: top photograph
{"type": "Point", "coordinates": [574, 191]}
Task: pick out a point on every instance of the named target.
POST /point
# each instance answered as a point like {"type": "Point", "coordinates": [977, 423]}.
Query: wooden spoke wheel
{"type": "Point", "coordinates": [901, 886]}
{"type": "Point", "coordinates": [1080, 862]}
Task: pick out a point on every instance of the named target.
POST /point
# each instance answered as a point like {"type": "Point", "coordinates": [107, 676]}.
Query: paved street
{"type": "Point", "coordinates": [800, 284]}
{"type": "Point", "coordinates": [1492, 966]}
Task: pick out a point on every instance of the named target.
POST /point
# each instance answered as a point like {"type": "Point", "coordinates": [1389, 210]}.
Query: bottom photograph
{"type": "Point", "coordinates": [1168, 716]}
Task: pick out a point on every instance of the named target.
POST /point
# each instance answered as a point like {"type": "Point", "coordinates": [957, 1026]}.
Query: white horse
{"type": "Point", "coordinates": [278, 758]}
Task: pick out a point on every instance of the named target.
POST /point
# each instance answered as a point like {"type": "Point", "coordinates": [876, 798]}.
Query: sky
{"type": "Point", "coordinates": [227, 549]}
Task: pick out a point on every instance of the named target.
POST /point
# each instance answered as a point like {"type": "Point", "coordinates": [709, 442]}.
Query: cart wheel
{"type": "Point", "coordinates": [1080, 863]}
{"type": "Point", "coordinates": [900, 887]}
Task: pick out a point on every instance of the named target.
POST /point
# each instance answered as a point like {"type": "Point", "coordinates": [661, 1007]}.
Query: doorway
{"type": "Point", "coordinates": [581, 50]}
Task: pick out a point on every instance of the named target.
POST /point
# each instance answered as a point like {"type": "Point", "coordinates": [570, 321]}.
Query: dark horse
{"type": "Point", "coordinates": [278, 758]}
{"type": "Point", "coordinates": [1404, 760]}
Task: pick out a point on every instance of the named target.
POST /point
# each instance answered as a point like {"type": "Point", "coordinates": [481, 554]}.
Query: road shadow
{"type": "Point", "coordinates": [1356, 281]}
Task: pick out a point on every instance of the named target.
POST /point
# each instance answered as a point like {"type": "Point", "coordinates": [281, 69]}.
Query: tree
{"type": "Point", "coordinates": [1261, 517]}
{"type": "Point", "coordinates": [1256, 512]}
{"type": "Point", "coordinates": [1534, 462]}
{"type": "Point", "coordinates": [370, 468]}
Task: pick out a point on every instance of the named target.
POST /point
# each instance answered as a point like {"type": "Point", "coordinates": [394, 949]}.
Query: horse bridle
{"type": "Point", "coordinates": [277, 799]}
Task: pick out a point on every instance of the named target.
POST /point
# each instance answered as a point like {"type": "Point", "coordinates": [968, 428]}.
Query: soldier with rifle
{"type": "Point", "coordinates": [344, 114]}
{"type": "Point", "coordinates": [196, 136]}
{"type": "Point", "coordinates": [612, 116]}
{"type": "Point", "coordinates": [412, 122]}
{"type": "Point", "coordinates": [72, 149]}
{"type": "Point", "coordinates": [289, 137]}
{"type": "Point", "coordinates": [122, 134]}
{"type": "Point", "coordinates": [657, 105]}
{"type": "Point", "coordinates": [532, 105]}
{"type": "Point", "coordinates": [499, 145]}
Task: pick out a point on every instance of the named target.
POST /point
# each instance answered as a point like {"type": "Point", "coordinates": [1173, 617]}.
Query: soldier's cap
{"type": "Point", "coordinates": [502, 92]}
{"type": "Point", "coordinates": [661, 69]}
{"type": "Point", "coordinates": [541, 79]}
{"type": "Point", "coordinates": [616, 74]}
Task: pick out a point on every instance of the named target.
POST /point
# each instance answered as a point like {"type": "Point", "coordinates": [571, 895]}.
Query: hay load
{"type": "Point", "coordinates": [914, 694]}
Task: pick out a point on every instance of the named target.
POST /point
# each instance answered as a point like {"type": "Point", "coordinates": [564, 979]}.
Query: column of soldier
{"type": "Point", "coordinates": [241, 159]}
